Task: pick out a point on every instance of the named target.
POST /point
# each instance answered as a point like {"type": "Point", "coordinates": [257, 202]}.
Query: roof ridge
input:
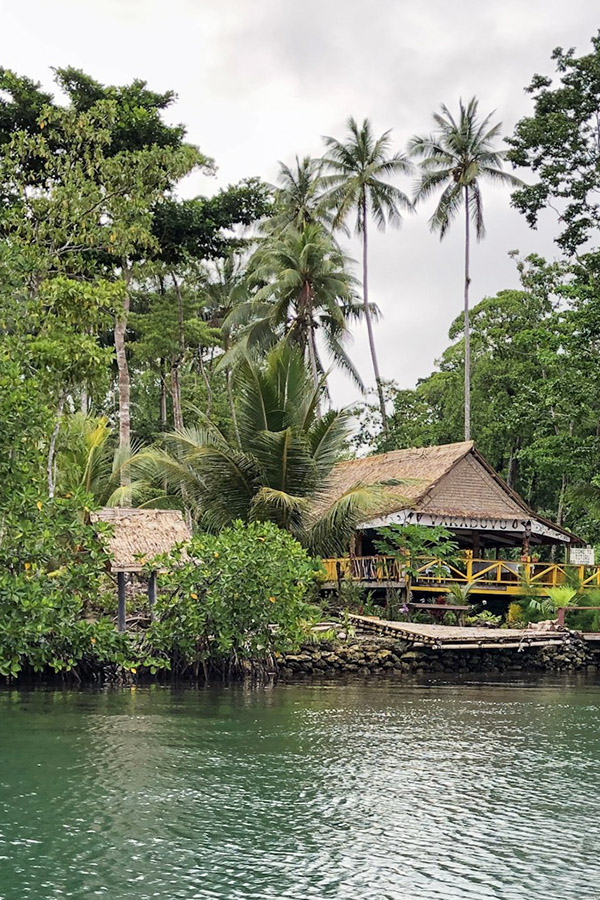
{"type": "Point", "coordinates": [467, 445]}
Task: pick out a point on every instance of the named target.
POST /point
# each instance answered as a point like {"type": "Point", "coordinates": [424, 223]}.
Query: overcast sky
{"type": "Point", "coordinates": [261, 80]}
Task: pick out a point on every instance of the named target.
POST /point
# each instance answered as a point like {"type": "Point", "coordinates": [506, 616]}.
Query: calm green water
{"type": "Point", "coordinates": [376, 790]}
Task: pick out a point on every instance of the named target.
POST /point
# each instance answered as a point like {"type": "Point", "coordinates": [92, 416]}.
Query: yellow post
{"type": "Point", "coordinates": [469, 567]}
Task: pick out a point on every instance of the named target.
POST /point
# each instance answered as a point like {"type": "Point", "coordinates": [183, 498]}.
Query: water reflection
{"type": "Point", "coordinates": [359, 790]}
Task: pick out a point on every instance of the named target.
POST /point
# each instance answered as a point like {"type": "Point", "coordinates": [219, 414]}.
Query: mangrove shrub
{"type": "Point", "coordinates": [234, 598]}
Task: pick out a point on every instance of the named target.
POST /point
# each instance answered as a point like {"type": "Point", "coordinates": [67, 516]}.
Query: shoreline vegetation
{"type": "Point", "coordinates": [167, 353]}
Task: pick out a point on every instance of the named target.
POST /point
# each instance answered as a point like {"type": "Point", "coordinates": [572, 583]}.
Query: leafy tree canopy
{"type": "Point", "coordinates": [559, 144]}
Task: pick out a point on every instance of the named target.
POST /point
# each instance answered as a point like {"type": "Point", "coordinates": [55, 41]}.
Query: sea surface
{"type": "Point", "coordinates": [365, 790]}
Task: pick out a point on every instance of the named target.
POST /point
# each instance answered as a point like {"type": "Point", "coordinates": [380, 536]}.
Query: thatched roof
{"type": "Point", "coordinates": [141, 533]}
{"type": "Point", "coordinates": [449, 480]}
{"type": "Point", "coordinates": [420, 468]}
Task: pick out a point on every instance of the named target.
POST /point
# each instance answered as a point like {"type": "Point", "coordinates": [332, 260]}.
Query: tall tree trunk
{"type": "Point", "coordinates": [177, 360]}
{"type": "Point", "coordinates": [312, 355]}
{"type": "Point", "coordinates": [163, 396]}
{"type": "Point", "coordinates": [176, 395]}
{"type": "Point", "coordinates": [513, 465]}
{"type": "Point", "coordinates": [560, 512]}
{"type": "Point", "coordinates": [467, 328]}
{"type": "Point", "coordinates": [234, 421]}
{"type": "Point", "coordinates": [207, 387]}
{"type": "Point", "coordinates": [123, 372]}
{"type": "Point", "coordinates": [384, 420]}
{"type": "Point", "coordinates": [229, 385]}
{"type": "Point", "coordinates": [52, 448]}
{"type": "Point", "coordinates": [164, 421]}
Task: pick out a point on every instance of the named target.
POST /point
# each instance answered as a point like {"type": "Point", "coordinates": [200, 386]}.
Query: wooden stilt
{"type": "Point", "coordinates": [122, 607]}
{"type": "Point", "coordinates": [152, 594]}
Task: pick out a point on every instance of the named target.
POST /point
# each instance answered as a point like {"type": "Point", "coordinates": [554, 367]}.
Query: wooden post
{"type": "Point", "coordinates": [526, 540]}
{"type": "Point", "coordinates": [152, 594]}
{"type": "Point", "coordinates": [353, 543]}
{"type": "Point", "coordinates": [469, 566]}
{"type": "Point", "coordinates": [121, 592]}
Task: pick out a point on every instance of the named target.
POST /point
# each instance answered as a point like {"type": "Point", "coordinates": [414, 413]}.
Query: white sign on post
{"type": "Point", "coordinates": [581, 556]}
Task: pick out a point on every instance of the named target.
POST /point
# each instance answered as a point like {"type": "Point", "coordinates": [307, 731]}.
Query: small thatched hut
{"type": "Point", "coordinates": [138, 535]}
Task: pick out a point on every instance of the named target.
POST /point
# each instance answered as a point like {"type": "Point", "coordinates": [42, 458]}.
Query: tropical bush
{"type": "Point", "coordinates": [409, 542]}
{"type": "Point", "coordinates": [485, 618]}
{"type": "Point", "coordinates": [553, 598]}
{"type": "Point", "coordinates": [516, 616]}
{"type": "Point", "coordinates": [233, 600]}
{"type": "Point", "coordinates": [52, 571]}
{"type": "Point", "coordinates": [52, 565]}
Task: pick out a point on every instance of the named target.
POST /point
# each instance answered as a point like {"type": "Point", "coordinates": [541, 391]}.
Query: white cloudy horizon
{"type": "Point", "coordinates": [261, 82]}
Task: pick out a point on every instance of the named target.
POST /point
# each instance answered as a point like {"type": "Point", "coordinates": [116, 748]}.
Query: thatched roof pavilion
{"type": "Point", "coordinates": [450, 485]}
{"type": "Point", "coordinates": [141, 534]}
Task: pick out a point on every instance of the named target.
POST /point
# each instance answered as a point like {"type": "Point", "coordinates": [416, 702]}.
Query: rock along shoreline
{"type": "Point", "coordinates": [374, 655]}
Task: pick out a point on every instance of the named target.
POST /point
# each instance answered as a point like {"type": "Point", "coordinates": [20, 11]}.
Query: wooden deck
{"type": "Point", "coordinates": [449, 637]}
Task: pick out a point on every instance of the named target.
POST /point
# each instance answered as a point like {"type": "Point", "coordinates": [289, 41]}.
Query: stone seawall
{"type": "Point", "coordinates": [373, 655]}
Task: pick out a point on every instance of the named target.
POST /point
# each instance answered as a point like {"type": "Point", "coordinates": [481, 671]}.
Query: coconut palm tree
{"type": "Point", "coordinates": [456, 158]}
{"type": "Point", "coordinates": [299, 199]}
{"type": "Point", "coordinates": [280, 470]}
{"type": "Point", "coordinates": [224, 289]}
{"type": "Point", "coordinates": [302, 288]}
{"type": "Point", "coordinates": [358, 168]}
{"type": "Point", "coordinates": [87, 461]}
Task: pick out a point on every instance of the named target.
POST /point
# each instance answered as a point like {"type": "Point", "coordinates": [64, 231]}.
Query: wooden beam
{"type": "Point", "coordinates": [122, 604]}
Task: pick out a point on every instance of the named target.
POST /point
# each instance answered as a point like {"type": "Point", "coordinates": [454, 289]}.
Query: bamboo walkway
{"type": "Point", "coordinates": [450, 637]}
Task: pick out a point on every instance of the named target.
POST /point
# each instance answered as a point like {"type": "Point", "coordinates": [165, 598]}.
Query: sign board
{"type": "Point", "coordinates": [581, 556]}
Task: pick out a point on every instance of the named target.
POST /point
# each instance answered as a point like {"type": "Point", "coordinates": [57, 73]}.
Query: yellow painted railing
{"type": "Point", "coordinates": [433, 574]}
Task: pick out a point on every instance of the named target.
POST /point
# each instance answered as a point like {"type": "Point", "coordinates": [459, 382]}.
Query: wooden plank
{"type": "Point", "coordinates": [451, 635]}
{"type": "Point", "coordinates": [437, 607]}
{"type": "Point", "coordinates": [509, 645]}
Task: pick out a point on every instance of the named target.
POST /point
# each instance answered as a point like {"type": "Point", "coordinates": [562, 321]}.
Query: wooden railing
{"type": "Point", "coordinates": [431, 573]}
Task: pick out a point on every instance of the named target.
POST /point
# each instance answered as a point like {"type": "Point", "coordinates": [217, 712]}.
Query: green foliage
{"type": "Point", "coordinates": [91, 465]}
{"type": "Point", "coordinates": [51, 570]}
{"type": "Point", "coordinates": [350, 595]}
{"type": "Point", "coordinates": [455, 159]}
{"type": "Point", "coordinates": [300, 199]}
{"type": "Point", "coordinates": [357, 177]}
{"type": "Point", "coordinates": [484, 619]}
{"type": "Point", "coordinates": [516, 616]}
{"type": "Point", "coordinates": [559, 144]}
{"type": "Point", "coordinates": [357, 181]}
{"type": "Point", "coordinates": [301, 286]}
{"type": "Point", "coordinates": [409, 543]}
{"type": "Point", "coordinates": [279, 469]}
{"type": "Point", "coordinates": [200, 228]}
{"type": "Point", "coordinates": [52, 565]}
{"type": "Point", "coordinates": [459, 593]}
{"type": "Point", "coordinates": [553, 598]}
{"type": "Point", "coordinates": [243, 595]}
{"type": "Point", "coordinates": [64, 319]}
